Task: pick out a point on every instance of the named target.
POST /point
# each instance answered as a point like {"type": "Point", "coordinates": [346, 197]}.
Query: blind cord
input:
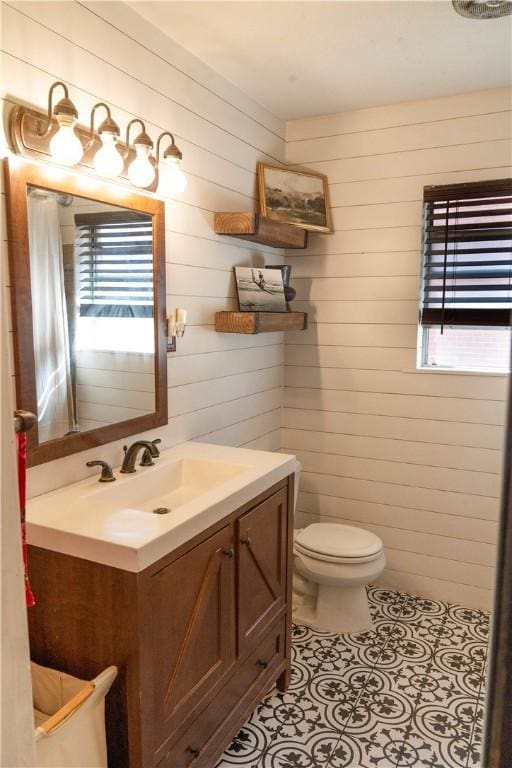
{"type": "Point", "coordinates": [446, 231]}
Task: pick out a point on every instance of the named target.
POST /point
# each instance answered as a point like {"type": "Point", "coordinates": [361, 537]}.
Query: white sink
{"type": "Point", "coordinates": [114, 523]}
{"type": "Point", "coordinates": [168, 484]}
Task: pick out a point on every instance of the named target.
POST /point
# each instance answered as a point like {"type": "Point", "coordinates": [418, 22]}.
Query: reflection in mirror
{"type": "Point", "coordinates": [91, 268]}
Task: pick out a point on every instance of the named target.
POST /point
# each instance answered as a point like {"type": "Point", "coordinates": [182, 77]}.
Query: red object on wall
{"type": "Point", "coordinates": [22, 485]}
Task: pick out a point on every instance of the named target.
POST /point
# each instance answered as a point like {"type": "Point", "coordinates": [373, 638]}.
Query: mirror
{"type": "Point", "coordinates": [88, 294]}
{"type": "Point", "coordinates": [91, 280]}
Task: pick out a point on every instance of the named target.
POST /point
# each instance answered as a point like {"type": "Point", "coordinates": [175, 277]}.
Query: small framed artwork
{"type": "Point", "coordinates": [295, 197]}
{"type": "Point", "coordinates": [260, 290]}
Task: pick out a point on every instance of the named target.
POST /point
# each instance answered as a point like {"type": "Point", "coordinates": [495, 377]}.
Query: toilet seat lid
{"type": "Point", "coordinates": [338, 541]}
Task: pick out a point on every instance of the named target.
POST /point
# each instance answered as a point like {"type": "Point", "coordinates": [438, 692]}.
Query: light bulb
{"type": "Point", "coordinates": [141, 172]}
{"type": "Point", "coordinates": [174, 181]}
{"type": "Point", "coordinates": [65, 146]}
{"type": "Point", "coordinates": [107, 160]}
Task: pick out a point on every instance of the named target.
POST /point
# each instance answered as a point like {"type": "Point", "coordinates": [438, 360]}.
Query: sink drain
{"type": "Point", "coordinates": [161, 511]}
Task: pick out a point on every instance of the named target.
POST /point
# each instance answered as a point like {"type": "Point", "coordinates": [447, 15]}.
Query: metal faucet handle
{"type": "Point", "coordinates": [147, 458]}
{"type": "Point", "coordinates": [107, 476]}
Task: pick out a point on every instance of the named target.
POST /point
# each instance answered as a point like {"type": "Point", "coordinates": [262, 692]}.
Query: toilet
{"type": "Point", "coordinates": [333, 563]}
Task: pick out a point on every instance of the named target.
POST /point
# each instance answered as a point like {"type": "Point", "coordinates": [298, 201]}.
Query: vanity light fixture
{"type": "Point", "coordinates": [56, 134]}
{"type": "Point", "coordinates": [173, 181]}
{"type": "Point", "coordinates": [108, 161]}
{"type": "Point", "coordinates": [141, 171]}
{"type": "Point", "coordinates": [65, 146]}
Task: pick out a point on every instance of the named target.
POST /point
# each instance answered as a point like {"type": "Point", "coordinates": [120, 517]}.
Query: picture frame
{"type": "Point", "coordinates": [260, 289]}
{"type": "Point", "coordinates": [295, 197]}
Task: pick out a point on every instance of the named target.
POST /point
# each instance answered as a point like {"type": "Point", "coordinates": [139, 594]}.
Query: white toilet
{"type": "Point", "coordinates": [332, 566]}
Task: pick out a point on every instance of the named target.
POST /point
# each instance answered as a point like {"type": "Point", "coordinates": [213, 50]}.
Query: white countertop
{"type": "Point", "coordinates": [95, 521]}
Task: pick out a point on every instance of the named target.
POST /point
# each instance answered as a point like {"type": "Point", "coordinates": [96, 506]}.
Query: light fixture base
{"type": "Point", "coordinates": [65, 107]}
{"type": "Point", "coordinates": [173, 153]}
{"type": "Point", "coordinates": [109, 126]}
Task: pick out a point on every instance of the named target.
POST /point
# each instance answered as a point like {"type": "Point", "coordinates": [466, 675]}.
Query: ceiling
{"type": "Point", "coordinates": [299, 59]}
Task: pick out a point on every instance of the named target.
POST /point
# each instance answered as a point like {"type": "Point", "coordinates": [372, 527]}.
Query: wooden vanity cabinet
{"type": "Point", "coordinates": [198, 637]}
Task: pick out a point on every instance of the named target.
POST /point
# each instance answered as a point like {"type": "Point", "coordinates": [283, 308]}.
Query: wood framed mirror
{"type": "Point", "coordinates": [87, 277]}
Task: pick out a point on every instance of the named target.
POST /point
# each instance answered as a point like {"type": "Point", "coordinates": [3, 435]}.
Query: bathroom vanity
{"type": "Point", "coordinates": [193, 606]}
{"type": "Point", "coordinates": [180, 573]}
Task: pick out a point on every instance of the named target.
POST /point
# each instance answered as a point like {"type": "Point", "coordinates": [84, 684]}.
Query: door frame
{"type": "Point", "coordinates": [498, 711]}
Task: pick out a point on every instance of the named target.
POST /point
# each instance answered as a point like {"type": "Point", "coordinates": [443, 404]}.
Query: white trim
{"type": "Point", "coordinates": [454, 371]}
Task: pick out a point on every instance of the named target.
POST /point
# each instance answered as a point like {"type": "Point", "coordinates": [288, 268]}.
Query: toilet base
{"type": "Point", "coordinates": [343, 610]}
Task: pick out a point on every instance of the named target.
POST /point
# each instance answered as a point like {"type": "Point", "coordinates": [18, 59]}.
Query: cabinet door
{"type": "Point", "coordinates": [193, 630]}
{"type": "Point", "coordinates": [261, 580]}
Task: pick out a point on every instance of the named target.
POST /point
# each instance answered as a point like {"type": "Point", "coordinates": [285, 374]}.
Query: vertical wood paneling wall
{"type": "Point", "coordinates": [413, 456]}
{"type": "Point", "coordinates": [222, 388]}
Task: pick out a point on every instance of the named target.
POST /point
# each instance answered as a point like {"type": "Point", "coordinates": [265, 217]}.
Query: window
{"type": "Point", "coordinates": [116, 264]}
{"type": "Point", "coordinates": [115, 254]}
{"type": "Point", "coordinates": [466, 296]}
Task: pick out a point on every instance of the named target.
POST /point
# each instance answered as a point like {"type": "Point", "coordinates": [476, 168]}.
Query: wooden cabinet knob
{"type": "Point", "coordinates": [246, 541]}
{"type": "Point", "coordinates": [228, 552]}
{"type": "Point", "coordinates": [262, 663]}
{"type": "Point", "coordinates": [193, 751]}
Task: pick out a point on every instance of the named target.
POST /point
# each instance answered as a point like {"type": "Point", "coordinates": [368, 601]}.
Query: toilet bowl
{"type": "Point", "coordinates": [333, 563]}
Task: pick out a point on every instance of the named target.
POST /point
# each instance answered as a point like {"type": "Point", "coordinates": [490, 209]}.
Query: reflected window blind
{"type": "Point", "coordinates": [115, 254]}
{"type": "Point", "coordinates": [467, 254]}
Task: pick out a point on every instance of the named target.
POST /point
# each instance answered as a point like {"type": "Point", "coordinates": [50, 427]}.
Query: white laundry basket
{"type": "Point", "coordinates": [69, 718]}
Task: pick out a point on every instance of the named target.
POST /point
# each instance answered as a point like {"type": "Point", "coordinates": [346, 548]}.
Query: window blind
{"type": "Point", "coordinates": [115, 253]}
{"type": "Point", "coordinates": [467, 254]}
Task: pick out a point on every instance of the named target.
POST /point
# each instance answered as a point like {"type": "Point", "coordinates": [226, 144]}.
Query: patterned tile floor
{"type": "Point", "coordinates": [410, 693]}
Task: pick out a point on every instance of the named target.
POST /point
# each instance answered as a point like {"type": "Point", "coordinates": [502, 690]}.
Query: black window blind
{"type": "Point", "coordinates": [467, 254]}
{"type": "Point", "coordinates": [115, 252]}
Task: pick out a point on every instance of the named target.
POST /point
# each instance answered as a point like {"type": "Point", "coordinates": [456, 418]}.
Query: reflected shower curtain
{"type": "Point", "coordinates": [51, 346]}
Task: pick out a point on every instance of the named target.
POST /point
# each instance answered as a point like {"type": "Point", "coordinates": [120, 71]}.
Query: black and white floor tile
{"type": "Point", "coordinates": [408, 694]}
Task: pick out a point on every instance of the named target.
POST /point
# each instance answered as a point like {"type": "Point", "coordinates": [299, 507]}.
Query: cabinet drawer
{"type": "Point", "coordinates": [213, 724]}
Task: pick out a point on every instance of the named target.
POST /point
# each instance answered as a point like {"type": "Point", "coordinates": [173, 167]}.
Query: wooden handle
{"type": "Point", "coordinates": [55, 720]}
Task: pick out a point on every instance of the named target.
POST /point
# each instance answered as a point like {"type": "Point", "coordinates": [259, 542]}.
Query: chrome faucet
{"type": "Point", "coordinates": [130, 454]}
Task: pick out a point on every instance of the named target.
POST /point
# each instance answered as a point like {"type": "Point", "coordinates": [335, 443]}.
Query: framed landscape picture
{"type": "Point", "coordinates": [294, 197]}
{"type": "Point", "coordinates": [260, 290]}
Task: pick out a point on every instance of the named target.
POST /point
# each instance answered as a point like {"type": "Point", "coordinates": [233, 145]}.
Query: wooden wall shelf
{"type": "Point", "coordinates": [260, 322]}
{"type": "Point", "coordinates": [260, 229]}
